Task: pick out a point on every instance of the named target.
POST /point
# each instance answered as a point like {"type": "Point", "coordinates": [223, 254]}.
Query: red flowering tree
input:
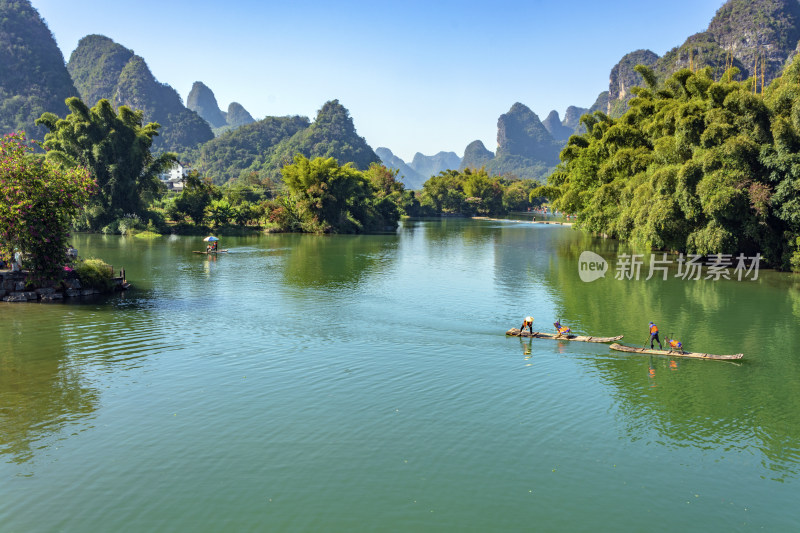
{"type": "Point", "coordinates": [37, 203]}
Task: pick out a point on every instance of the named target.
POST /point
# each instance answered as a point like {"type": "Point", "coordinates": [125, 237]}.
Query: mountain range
{"type": "Point", "coordinates": [261, 148]}
{"type": "Point", "coordinates": [756, 36]}
{"type": "Point", "coordinates": [102, 68]}
{"type": "Point", "coordinates": [202, 101]}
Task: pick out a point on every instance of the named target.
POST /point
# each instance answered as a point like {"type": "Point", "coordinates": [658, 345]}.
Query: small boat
{"type": "Point", "coordinates": [514, 332]}
{"type": "Point", "coordinates": [210, 253]}
{"type": "Point", "coordinates": [696, 355]}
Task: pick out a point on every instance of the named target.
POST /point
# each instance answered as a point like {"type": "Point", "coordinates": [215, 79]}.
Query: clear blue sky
{"type": "Point", "coordinates": [416, 76]}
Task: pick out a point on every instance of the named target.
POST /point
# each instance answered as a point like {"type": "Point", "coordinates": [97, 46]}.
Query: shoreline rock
{"type": "Point", "coordinates": [16, 287]}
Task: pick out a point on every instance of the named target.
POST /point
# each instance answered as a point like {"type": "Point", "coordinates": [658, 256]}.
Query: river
{"type": "Point", "coordinates": [365, 383]}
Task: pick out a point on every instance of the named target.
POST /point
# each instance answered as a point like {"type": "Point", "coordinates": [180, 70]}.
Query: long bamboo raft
{"type": "Point", "coordinates": [211, 252]}
{"type": "Point", "coordinates": [514, 332]}
{"type": "Point", "coordinates": [696, 355]}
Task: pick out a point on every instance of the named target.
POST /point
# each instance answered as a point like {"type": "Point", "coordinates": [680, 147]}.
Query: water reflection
{"type": "Point", "coordinates": [43, 393]}
{"type": "Point", "coordinates": [705, 404]}
{"type": "Point", "coordinates": [336, 260]}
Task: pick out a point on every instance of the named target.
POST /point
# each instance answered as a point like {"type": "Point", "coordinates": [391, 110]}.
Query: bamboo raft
{"type": "Point", "coordinates": [210, 253]}
{"type": "Point", "coordinates": [696, 355]}
{"type": "Point", "coordinates": [514, 332]}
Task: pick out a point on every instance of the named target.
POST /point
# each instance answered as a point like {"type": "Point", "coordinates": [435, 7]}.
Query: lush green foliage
{"type": "Point", "coordinates": [266, 146]}
{"type": "Point", "coordinates": [38, 203]}
{"type": "Point", "coordinates": [324, 197]}
{"type": "Point", "coordinates": [246, 150]}
{"type": "Point", "coordinates": [95, 274]}
{"type": "Point", "coordinates": [695, 165]}
{"type": "Point", "coordinates": [388, 187]}
{"type": "Point", "coordinates": [475, 192]}
{"type": "Point", "coordinates": [33, 78]}
{"type": "Point", "coordinates": [331, 135]}
{"type": "Point", "coordinates": [194, 200]}
{"type": "Point", "coordinates": [115, 148]}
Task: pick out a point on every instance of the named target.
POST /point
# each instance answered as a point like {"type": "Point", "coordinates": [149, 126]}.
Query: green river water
{"type": "Point", "coordinates": [365, 383]}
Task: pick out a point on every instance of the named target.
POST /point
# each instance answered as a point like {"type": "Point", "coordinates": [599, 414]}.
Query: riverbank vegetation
{"type": "Point", "coordinates": [39, 202]}
{"type": "Point", "coordinates": [695, 165]}
{"type": "Point", "coordinates": [313, 195]}
{"type": "Point", "coordinates": [115, 147]}
{"type": "Point", "coordinates": [94, 274]}
{"type": "Point", "coordinates": [472, 192]}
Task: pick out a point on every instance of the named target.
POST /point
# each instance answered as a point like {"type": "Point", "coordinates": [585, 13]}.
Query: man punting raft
{"type": "Point", "coordinates": [673, 353]}
{"type": "Point", "coordinates": [562, 333]}
{"type": "Point", "coordinates": [654, 336]}
{"type": "Point", "coordinates": [675, 348]}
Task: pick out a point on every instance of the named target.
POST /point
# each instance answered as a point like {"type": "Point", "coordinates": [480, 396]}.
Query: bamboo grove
{"type": "Point", "coordinates": [695, 165]}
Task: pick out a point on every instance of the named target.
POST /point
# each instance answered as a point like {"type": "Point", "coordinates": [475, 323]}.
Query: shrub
{"type": "Point", "coordinates": [95, 274]}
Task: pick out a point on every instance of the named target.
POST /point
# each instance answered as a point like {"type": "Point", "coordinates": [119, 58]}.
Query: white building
{"type": "Point", "coordinates": [173, 178]}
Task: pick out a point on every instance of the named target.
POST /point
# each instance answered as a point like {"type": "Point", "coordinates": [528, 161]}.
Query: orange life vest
{"type": "Point", "coordinates": [675, 344]}
{"type": "Point", "coordinates": [563, 329]}
{"type": "Point", "coordinates": [653, 329]}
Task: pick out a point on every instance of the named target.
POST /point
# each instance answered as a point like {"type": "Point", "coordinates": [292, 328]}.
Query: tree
{"type": "Point", "coordinates": [39, 201]}
{"type": "Point", "coordinates": [336, 199]}
{"type": "Point", "coordinates": [516, 196]}
{"type": "Point", "coordinates": [220, 212]}
{"type": "Point", "coordinates": [695, 165]}
{"type": "Point", "coordinates": [115, 147]}
{"type": "Point", "coordinates": [195, 198]}
{"type": "Point", "coordinates": [489, 192]}
{"type": "Point", "coordinates": [444, 192]}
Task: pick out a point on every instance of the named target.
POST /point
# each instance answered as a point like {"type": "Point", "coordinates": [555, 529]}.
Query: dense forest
{"type": "Point", "coordinates": [264, 147]}
{"type": "Point", "coordinates": [695, 165]}
{"type": "Point", "coordinates": [33, 78]}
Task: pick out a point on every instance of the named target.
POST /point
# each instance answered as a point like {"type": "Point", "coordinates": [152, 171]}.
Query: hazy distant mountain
{"type": "Point", "coordinates": [102, 68]}
{"type": "Point", "coordinates": [525, 148]}
{"type": "Point", "coordinates": [33, 78]}
{"type": "Point", "coordinates": [431, 165]}
{"type": "Point", "coordinates": [265, 146]}
{"type": "Point", "coordinates": [556, 129]}
{"type": "Point", "coordinates": [475, 156]}
{"type": "Point", "coordinates": [410, 177]}
{"type": "Point", "coordinates": [520, 133]}
{"type": "Point", "coordinates": [202, 101]}
{"type": "Point", "coordinates": [573, 115]}
{"type": "Point", "coordinates": [238, 115]}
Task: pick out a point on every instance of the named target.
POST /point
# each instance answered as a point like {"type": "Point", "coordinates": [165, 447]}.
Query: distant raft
{"type": "Point", "coordinates": [211, 252]}
{"type": "Point", "coordinates": [675, 353]}
{"type": "Point", "coordinates": [514, 332]}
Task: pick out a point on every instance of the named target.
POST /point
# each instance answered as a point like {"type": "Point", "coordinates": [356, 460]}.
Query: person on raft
{"type": "Point", "coordinates": [560, 330]}
{"type": "Point", "coordinates": [675, 345]}
{"type": "Point", "coordinates": [527, 323]}
{"type": "Point", "coordinates": [654, 336]}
